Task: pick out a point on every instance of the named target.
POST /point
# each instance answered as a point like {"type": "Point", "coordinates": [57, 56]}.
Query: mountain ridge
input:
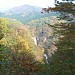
{"type": "Point", "coordinates": [23, 8]}
{"type": "Point", "coordinates": [26, 13]}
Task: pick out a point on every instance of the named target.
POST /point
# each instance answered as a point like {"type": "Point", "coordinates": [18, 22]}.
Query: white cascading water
{"type": "Point", "coordinates": [45, 55]}
{"type": "Point", "coordinates": [35, 41]}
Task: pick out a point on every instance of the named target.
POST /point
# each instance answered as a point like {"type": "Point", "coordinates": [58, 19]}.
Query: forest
{"type": "Point", "coordinates": [38, 41]}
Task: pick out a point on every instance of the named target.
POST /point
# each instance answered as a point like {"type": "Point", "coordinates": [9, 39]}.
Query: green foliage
{"type": "Point", "coordinates": [63, 60]}
{"type": "Point", "coordinates": [16, 49]}
{"type": "Point", "coordinates": [1, 34]}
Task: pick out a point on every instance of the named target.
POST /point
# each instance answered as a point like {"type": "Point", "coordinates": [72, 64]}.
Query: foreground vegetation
{"type": "Point", "coordinates": [63, 60]}
{"type": "Point", "coordinates": [20, 56]}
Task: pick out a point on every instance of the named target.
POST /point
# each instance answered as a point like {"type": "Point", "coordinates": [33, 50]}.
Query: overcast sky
{"type": "Point", "coordinates": [13, 3]}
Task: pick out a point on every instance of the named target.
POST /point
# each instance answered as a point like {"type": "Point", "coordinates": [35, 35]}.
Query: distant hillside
{"type": "Point", "coordinates": [26, 13]}
{"type": "Point", "coordinates": [24, 9]}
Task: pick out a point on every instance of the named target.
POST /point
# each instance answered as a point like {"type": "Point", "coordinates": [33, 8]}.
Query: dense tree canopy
{"type": "Point", "coordinates": [63, 60]}
{"type": "Point", "coordinates": [17, 49]}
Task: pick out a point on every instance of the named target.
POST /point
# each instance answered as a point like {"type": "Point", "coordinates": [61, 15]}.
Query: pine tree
{"type": "Point", "coordinates": [63, 60]}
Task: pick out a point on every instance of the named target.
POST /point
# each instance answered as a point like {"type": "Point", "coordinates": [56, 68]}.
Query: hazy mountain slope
{"type": "Point", "coordinates": [24, 9]}
{"type": "Point", "coordinates": [43, 33]}
{"type": "Point", "coordinates": [14, 34]}
{"type": "Point", "coordinates": [26, 13]}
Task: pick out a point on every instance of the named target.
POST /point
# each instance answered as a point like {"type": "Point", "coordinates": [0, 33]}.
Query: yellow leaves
{"type": "Point", "coordinates": [2, 19]}
{"type": "Point", "coordinates": [39, 55]}
{"type": "Point", "coordinates": [22, 43]}
{"type": "Point", "coordinates": [17, 39]}
{"type": "Point", "coordinates": [3, 41]}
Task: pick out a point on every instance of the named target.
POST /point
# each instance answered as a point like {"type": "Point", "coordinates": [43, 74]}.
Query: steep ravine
{"type": "Point", "coordinates": [42, 34]}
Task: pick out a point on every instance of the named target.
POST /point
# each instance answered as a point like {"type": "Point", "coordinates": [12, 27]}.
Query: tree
{"type": "Point", "coordinates": [63, 60]}
{"type": "Point", "coordinates": [16, 49]}
{"type": "Point", "coordinates": [1, 34]}
{"type": "Point", "coordinates": [64, 57]}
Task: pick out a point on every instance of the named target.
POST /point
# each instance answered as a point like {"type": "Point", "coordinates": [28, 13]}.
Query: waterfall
{"type": "Point", "coordinates": [35, 40]}
{"type": "Point", "coordinates": [45, 55]}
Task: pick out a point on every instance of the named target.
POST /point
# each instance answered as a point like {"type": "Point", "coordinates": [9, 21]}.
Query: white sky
{"type": "Point", "coordinates": [13, 3]}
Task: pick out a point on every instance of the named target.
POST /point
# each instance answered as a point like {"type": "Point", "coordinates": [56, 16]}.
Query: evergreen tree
{"type": "Point", "coordinates": [63, 60]}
